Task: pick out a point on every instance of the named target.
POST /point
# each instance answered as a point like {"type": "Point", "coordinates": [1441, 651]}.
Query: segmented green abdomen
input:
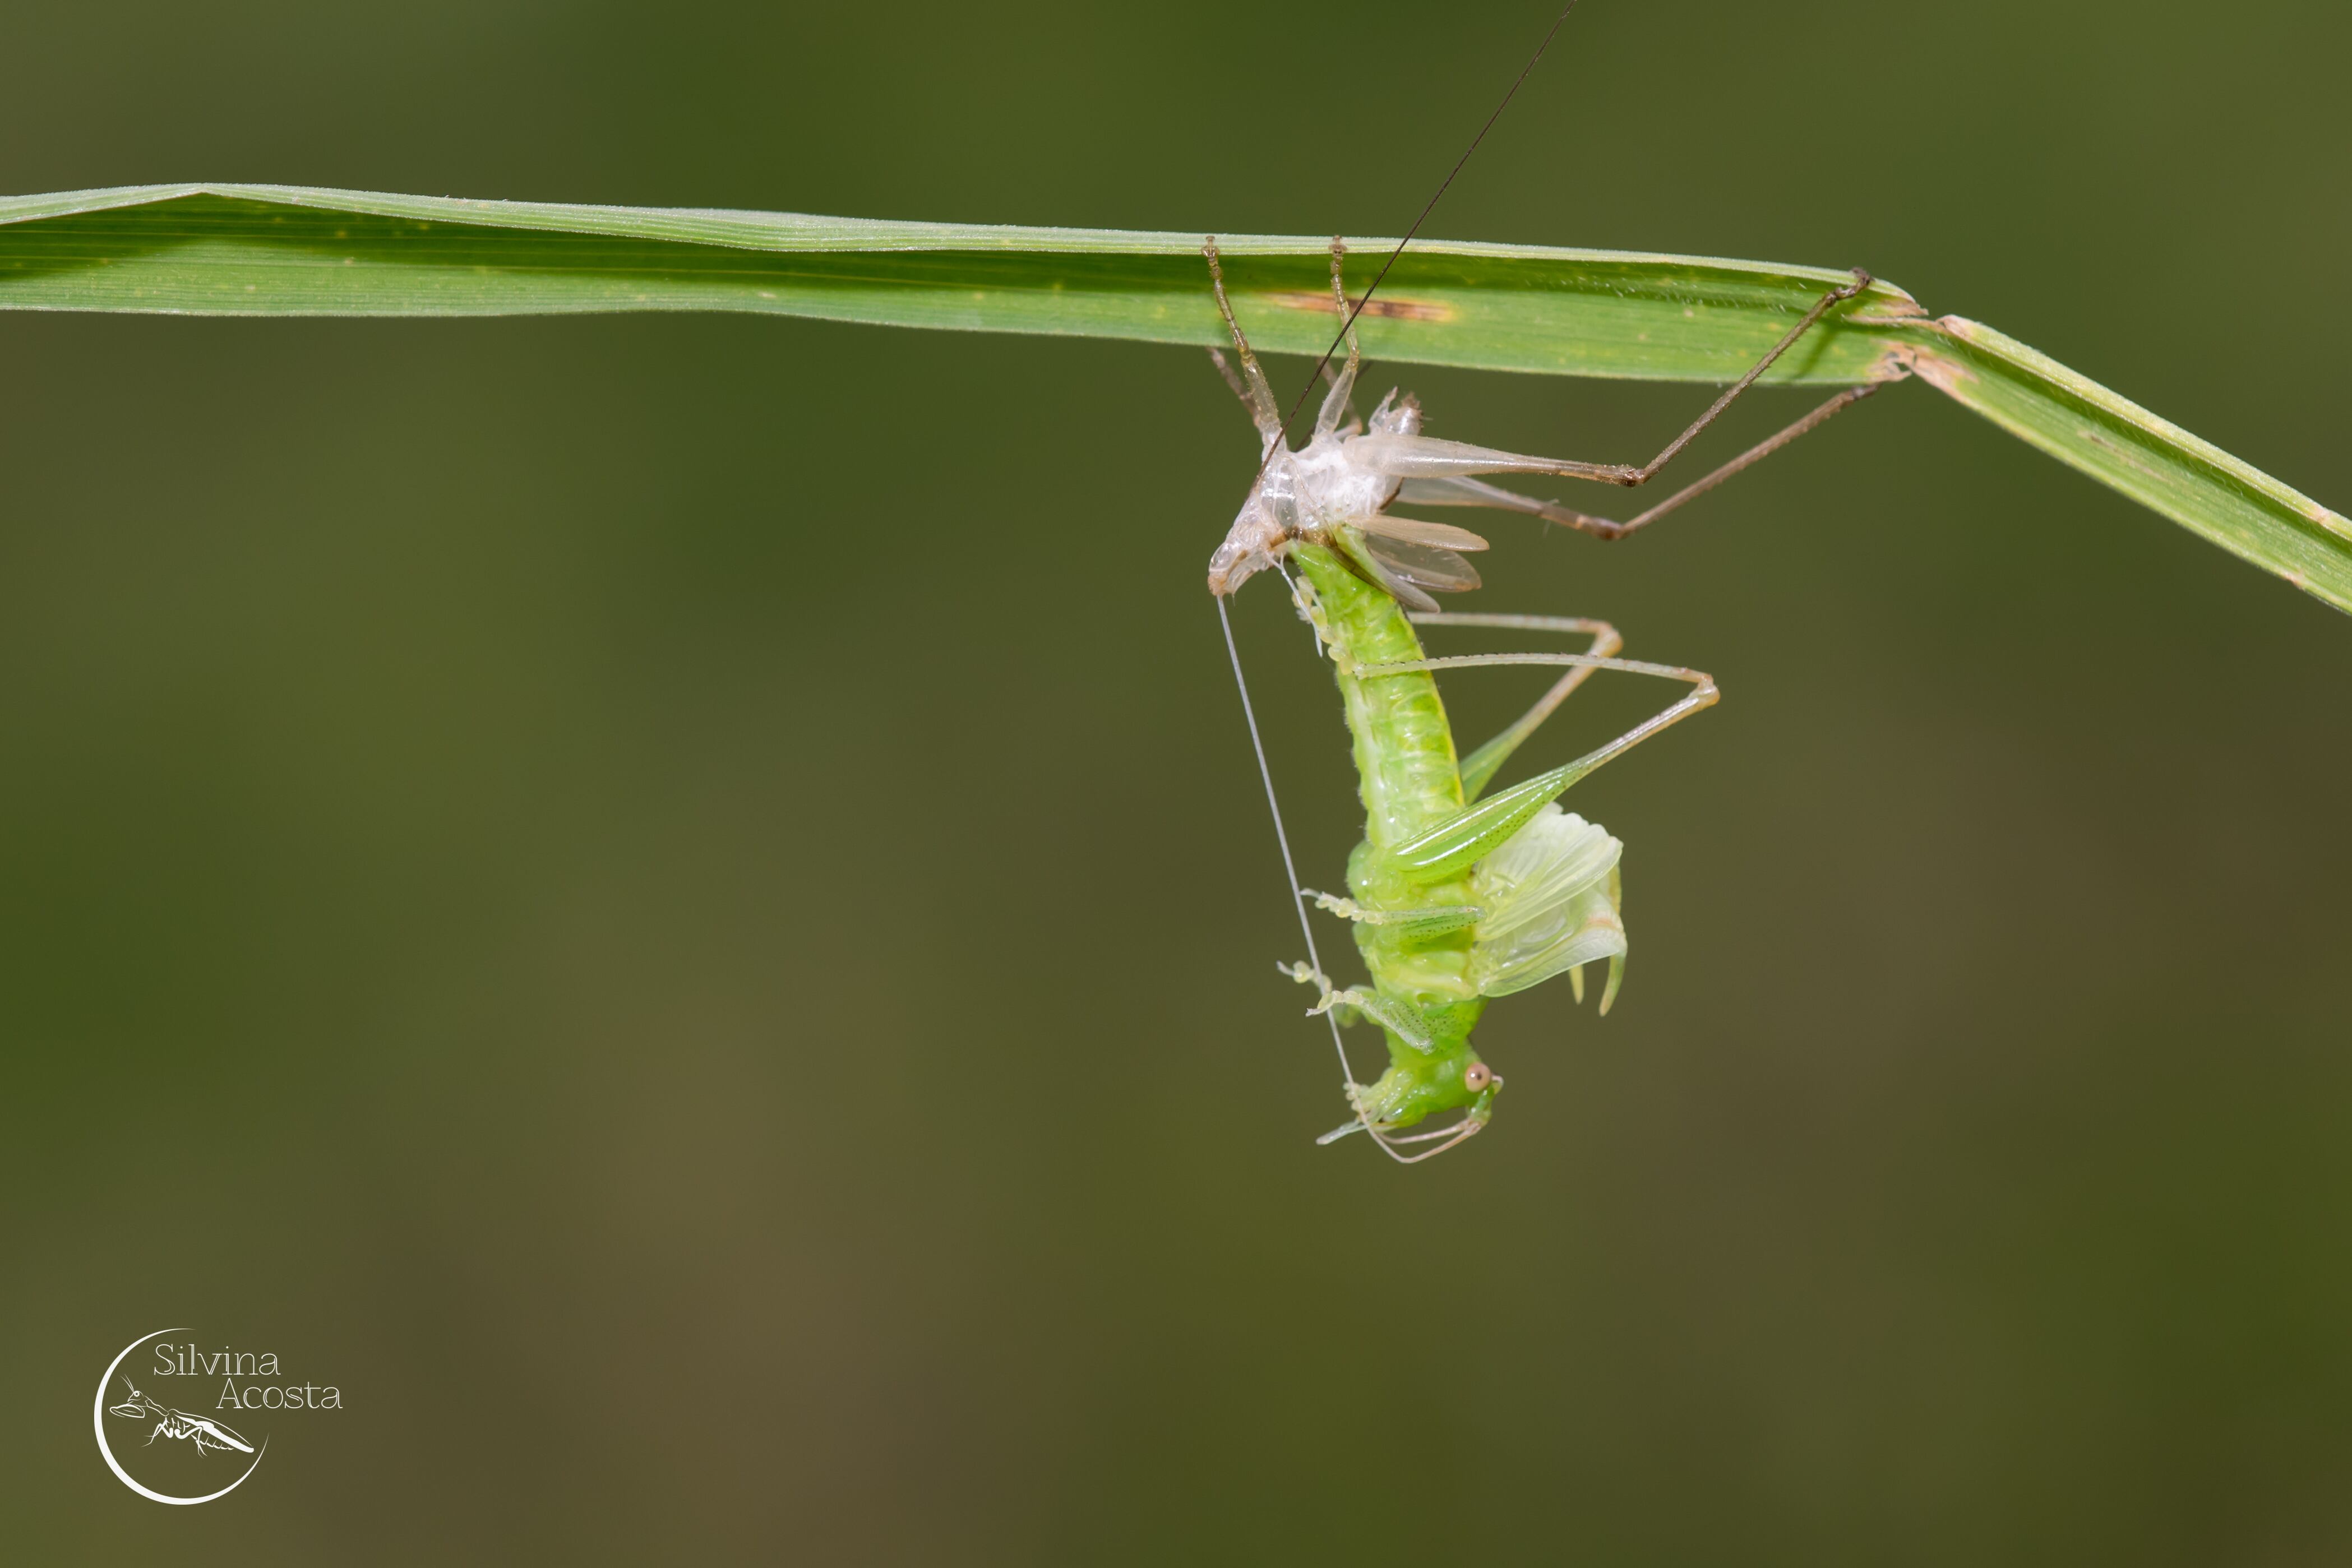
{"type": "Point", "coordinates": [1405, 766]}
{"type": "Point", "coordinates": [1410, 781]}
{"type": "Point", "coordinates": [1452, 904]}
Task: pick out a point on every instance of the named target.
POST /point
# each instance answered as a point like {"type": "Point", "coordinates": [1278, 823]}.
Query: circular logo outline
{"type": "Point", "coordinates": [98, 1425]}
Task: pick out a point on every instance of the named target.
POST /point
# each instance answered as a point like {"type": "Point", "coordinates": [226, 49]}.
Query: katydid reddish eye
{"type": "Point", "coordinates": [1476, 1076]}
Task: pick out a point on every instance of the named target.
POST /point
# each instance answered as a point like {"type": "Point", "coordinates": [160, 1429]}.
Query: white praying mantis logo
{"type": "Point", "coordinates": [204, 1433]}
{"type": "Point", "coordinates": [169, 1423]}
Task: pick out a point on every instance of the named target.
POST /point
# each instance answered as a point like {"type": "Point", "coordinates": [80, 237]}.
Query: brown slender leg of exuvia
{"type": "Point", "coordinates": [1647, 471]}
{"type": "Point", "coordinates": [1337, 401]}
{"type": "Point", "coordinates": [1602, 529]}
{"type": "Point", "coordinates": [1255, 392]}
{"type": "Point", "coordinates": [1340, 295]}
{"type": "Point", "coordinates": [1475, 493]}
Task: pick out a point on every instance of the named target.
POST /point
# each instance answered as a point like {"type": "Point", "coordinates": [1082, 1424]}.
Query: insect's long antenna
{"type": "Point", "coordinates": [1299, 904]}
{"type": "Point", "coordinates": [1347, 324]}
{"type": "Point", "coordinates": [1289, 866]}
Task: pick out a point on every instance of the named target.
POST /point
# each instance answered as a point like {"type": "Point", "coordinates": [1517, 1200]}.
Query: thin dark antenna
{"type": "Point", "coordinates": [1430, 207]}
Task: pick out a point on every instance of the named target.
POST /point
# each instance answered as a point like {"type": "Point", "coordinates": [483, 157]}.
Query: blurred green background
{"type": "Point", "coordinates": [680, 908]}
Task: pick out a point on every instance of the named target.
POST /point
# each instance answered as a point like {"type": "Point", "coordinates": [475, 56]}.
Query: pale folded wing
{"type": "Point", "coordinates": [1552, 902]}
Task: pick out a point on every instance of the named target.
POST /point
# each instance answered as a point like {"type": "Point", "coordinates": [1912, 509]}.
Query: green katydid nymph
{"type": "Point", "coordinates": [1456, 897]}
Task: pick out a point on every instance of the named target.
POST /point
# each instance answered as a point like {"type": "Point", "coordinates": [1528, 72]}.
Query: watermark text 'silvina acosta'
{"type": "Point", "coordinates": [179, 1421]}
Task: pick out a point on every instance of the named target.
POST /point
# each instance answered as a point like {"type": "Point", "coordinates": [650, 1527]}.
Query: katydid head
{"type": "Point", "coordinates": [1418, 1086]}
{"type": "Point", "coordinates": [133, 1407]}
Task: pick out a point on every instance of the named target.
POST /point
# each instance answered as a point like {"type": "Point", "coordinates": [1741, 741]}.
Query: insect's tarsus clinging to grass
{"type": "Point", "coordinates": [1456, 896]}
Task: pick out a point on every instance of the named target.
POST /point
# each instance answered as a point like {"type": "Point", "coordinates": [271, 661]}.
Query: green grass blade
{"type": "Point", "coordinates": [280, 251]}
{"type": "Point", "coordinates": [272, 250]}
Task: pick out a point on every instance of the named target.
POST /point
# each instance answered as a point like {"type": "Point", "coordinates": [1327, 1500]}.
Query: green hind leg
{"type": "Point", "coordinates": [1478, 769]}
{"type": "Point", "coordinates": [1453, 845]}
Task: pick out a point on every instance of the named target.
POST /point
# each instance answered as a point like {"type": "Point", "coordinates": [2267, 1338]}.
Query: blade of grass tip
{"type": "Point", "coordinates": [2148, 458]}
